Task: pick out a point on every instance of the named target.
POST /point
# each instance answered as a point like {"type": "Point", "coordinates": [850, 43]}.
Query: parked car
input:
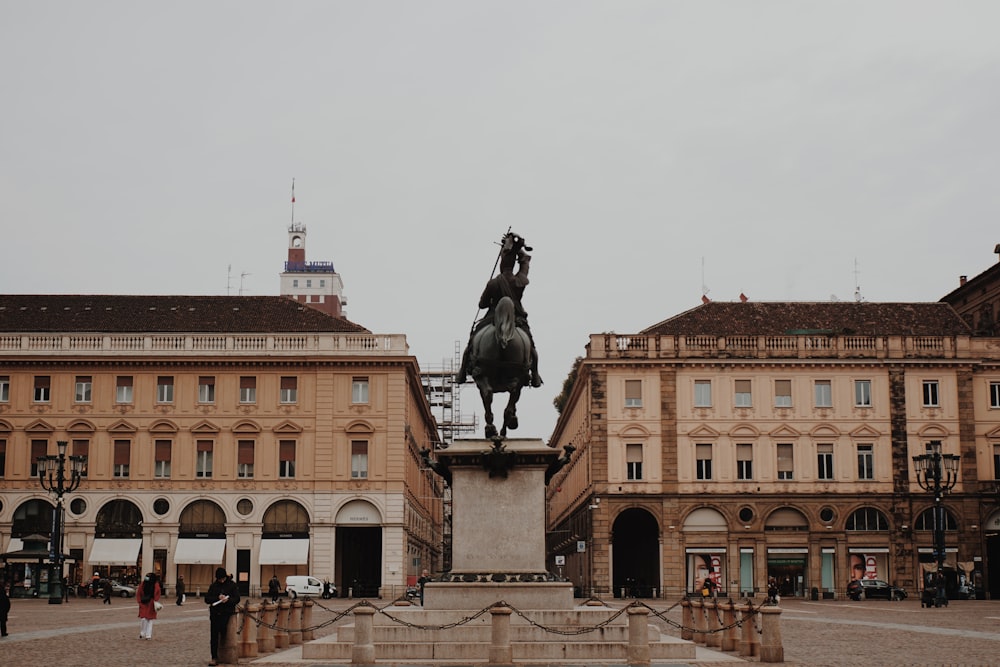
{"type": "Point", "coordinates": [872, 589]}
{"type": "Point", "coordinates": [122, 590]}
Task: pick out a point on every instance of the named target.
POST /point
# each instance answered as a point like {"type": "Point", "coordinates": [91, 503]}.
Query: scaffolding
{"type": "Point", "coordinates": [445, 397]}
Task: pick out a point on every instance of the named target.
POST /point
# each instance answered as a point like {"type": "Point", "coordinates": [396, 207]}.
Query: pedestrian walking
{"type": "Point", "coordinates": [180, 590]}
{"type": "Point", "coordinates": [4, 608]}
{"type": "Point", "coordinates": [106, 591]}
{"type": "Point", "coordinates": [274, 588]}
{"type": "Point", "coordinates": [222, 597]}
{"type": "Point", "coordinates": [148, 596]}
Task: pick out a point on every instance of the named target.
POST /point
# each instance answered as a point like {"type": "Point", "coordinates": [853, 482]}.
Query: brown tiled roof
{"type": "Point", "coordinates": [786, 318]}
{"type": "Point", "coordinates": [42, 313]}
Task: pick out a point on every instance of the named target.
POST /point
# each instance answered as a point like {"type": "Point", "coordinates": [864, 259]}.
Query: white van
{"type": "Point", "coordinates": [301, 585]}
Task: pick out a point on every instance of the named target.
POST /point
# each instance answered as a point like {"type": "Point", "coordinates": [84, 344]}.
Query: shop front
{"type": "Point", "coordinates": [787, 568]}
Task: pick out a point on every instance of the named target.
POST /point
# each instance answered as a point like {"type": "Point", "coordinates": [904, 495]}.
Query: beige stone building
{"type": "Point", "coordinates": [749, 441]}
{"type": "Point", "coordinates": [249, 432]}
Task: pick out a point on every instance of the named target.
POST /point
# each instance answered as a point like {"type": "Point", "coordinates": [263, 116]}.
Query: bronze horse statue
{"type": "Point", "coordinates": [501, 362]}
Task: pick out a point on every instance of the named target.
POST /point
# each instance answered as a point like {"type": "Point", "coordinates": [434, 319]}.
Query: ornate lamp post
{"type": "Point", "coordinates": [52, 477]}
{"type": "Point", "coordinates": [937, 473]}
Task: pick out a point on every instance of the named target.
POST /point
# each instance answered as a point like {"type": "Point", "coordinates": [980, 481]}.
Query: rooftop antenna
{"type": "Point", "coordinates": [704, 287]}
{"type": "Point", "coordinates": [857, 281]}
{"type": "Point", "coordinates": [229, 279]}
{"type": "Point", "coordinates": [293, 200]}
{"type": "Point", "coordinates": [242, 276]}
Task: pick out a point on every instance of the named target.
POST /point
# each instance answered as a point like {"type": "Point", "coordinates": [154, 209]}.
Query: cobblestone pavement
{"type": "Point", "coordinates": [825, 633]}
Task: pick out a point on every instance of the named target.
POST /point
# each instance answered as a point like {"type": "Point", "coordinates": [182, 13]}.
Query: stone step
{"type": "Point", "coordinates": [480, 633]}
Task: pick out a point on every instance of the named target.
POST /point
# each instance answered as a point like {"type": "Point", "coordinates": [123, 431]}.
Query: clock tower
{"type": "Point", "coordinates": [315, 284]}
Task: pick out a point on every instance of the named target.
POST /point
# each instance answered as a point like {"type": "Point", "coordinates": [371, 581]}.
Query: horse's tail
{"type": "Point", "coordinates": [504, 321]}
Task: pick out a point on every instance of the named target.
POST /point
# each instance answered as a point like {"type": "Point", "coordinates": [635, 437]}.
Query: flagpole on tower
{"type": "Point", "coordinates": [293, 200]}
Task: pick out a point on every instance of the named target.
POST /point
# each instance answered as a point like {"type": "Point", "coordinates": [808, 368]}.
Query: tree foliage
{"type": "Point", "coordinates": [567, 388]}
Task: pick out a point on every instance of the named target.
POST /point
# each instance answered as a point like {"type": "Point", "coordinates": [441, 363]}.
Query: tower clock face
{"type": "Point", "coordinates": [296, 241]}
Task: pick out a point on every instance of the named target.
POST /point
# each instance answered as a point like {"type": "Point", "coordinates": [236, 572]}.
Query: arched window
{"type": "Point", "coordinates": [867, 518]}
{"type": "Point", "coordinates": [926, 520]}
{"type": "Point", "coordinates": [119, 519]}
{"type": "Point", "coordinates": [32, 518]}
{"type": "Point", "coordinates": [286, 517]}
{"type": "Point", "coordinates": [203, 517]}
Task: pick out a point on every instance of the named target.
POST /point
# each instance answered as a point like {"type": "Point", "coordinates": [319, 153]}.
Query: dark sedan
{"type": "Point", "coordinates": [874, 589]}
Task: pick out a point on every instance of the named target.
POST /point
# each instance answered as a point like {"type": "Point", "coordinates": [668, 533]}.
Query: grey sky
{"type": "Point", "coordinates": [144, 147]}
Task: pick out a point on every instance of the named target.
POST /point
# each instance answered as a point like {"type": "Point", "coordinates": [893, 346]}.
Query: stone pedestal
{"type": "Point", "coordinates": [498, 528]}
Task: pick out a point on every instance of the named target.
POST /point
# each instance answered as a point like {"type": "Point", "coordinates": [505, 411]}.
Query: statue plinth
{"type": "Point", "coordinates": [498, 528]}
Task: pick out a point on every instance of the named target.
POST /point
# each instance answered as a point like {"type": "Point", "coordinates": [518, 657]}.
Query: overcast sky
{"type": "Point", "coordinates": [647, 150]}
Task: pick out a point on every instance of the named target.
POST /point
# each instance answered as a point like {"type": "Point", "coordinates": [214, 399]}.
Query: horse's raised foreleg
{"type": "Point", "coordinates": [486, 393]}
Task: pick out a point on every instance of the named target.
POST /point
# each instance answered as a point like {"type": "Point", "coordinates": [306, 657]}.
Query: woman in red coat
{"type": "Point", "coordinates": [148, 594]}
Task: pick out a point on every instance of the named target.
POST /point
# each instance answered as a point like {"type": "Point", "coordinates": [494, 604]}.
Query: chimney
{"type": "Point", "coordinates": [705, 299]}
{"type": "Point", "coordinates": [743, 297]}
{"type": "Point", "coordinates": [962, 280]}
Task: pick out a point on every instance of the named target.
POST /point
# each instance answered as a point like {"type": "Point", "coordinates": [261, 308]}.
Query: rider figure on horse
{"type": "Point", "coordinates": [509, 284]}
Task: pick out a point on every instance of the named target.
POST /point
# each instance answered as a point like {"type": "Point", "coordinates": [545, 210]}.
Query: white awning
{"type": "Point", "coordinates": [284, 551]}
{"type": "Point", "coordinates": [199, 551]}
{"type": "Point", "coordinates": [108, 551]}
{"type": "Point", "coordinates": [15, 544]}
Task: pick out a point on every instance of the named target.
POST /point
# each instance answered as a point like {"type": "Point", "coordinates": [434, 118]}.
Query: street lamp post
{"type": "Point", "coordinates": [52, 477]}
{"type": "Point", "coordinates": [937, 473]}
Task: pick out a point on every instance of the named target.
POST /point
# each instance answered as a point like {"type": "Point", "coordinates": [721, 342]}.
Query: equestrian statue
{"type": "Point", "coordinates": [500, 356]}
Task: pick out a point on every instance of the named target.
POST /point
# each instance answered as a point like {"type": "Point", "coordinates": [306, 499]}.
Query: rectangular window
{"type": "Point", "coordinates": [933, 447]}
{"type": "Point", "coordinates": [206, 389]}
{"type": "Point", "coordinates": [203, 459]}
{"type": "Point", "coordinates": [703, 461]}
{"type": "Point", "coordinates": [824, 461]}
{"type": "Point", "coordinates": [123, 457]}
{"type": "Point", "coordinates": [996, 461]}
{"type": "Point", "coordinates": [931, 394]}
{"type": "Point", "coordinates": [359, 459]}
{"type": "Point", "coordinates": [81, 448]}
{"type": "Point", "coordinates": [866, 462]}
{"type": "Point", "coordinates": [3, 457]}
{"type": "Point", "coordinates": [5, 388]}
{"type": "Point", "coordinates": [84, 385]}
{"type": "Point", "coordinates": [702, 393]}
{"type": "Point", "coordinates": [744, 461]}
{"type": "Point", "coordinates": [824, 394]}
{"type": "Point", "coordinates": [289, 390]}
{"type": "Point", "coordinates": [863, 393]}
{"type": "Point", "coordinates": [248, 389]}
{"type": "Point", "coordinates": [633, 393]}
{"type": "Point", "coordinates": [123, 389]}
{"type": "Point", "coordinates": [165, 389]}
{"type": "Point", "coordinates": [244, 460]}
{"type": "Point", "coordinates": [286, 458]}
{"type": "Point", "coordinates": [994, 393]}
{"type": "Point", "coordinates": [359, 390]}
{"type": "Point", "coordinates": [161, 454]}
{"type": "Point", "coordinates": [43, 390]}
{"type": "Point", "coordinates": [633, 462]}
{"type": "Point", "coordinates": [742, 397]}
{"type": "Point", "coordinates": [782, 393]}
{"type": "Point", "coordinates": [38, 448]}
{"type": "Point", "coordinates": [785, 467]}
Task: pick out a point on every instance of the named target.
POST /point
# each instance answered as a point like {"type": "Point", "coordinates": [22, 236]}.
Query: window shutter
{"type": "Point", "coordinates": [245, 453]}
{"type": "Point", "coordinates": [288, 382]}
{"type": "Point", "coordinates": [204, 445]}
{"type": "Point", "coordinates": [162, 450]}
{"type": "Point", "coordinates": [122, 452]}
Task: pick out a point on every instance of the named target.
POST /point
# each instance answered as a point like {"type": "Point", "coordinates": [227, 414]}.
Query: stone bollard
{"type": "Point", "coordinates": [308, 632]}
{"type": "Point", "coordinates": [748, 645]}
{"type": "Point", "coordinates": [229, 650]}
{"type": "Point", "coordinates": [770, 642]}
{"type": "Point", "coordinates": [295, 623]}
{"type": "Point", "coordinates": [501, 652]}
{"type": "Point", "coordinates": [730, 636]}
{"type": "Point", "coordinates": [265, 636]}
{"type": "Point", "coordinates": [363, 651]}
{"type": "Point", "coordinates": [638, 636]}
{"type": "Point", "coordinates": [714, 637]}
{"type": "Point", "coordinates": [248, 638]}
{"type": "Point", "coordinates": [698, 610]}
{"type": "Point", "coordinates": [281, 625]}
{"type": "Point", "coordinates": [687, 620]}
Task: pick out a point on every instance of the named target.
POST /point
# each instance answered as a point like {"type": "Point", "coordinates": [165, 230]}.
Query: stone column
{"type": "Point", "coordinates": [295, 623]}
{"type": "Point", "coordinates": [638, 636]}
{"type": "Point", "coordinates": [281, 625]}
{"type": "Point", "coordinates": [730, 635]}
{"type": "Point", "coordinates": [770, 642]}
{"type": "Point", "coordinates": [714, 636]}
{"type": "Point", "coordinates": [265, 636]}
{"type": "Point", "coordinates": [687, 620]}
{"type": "Point", "coordinates": [501, 652]}
{"type": "Point", "coordinates": [698, 610]}
{"type": "Point", "coordinates": [248, 639]}
{"type": "Point", "coordinates": [363, 651]}
{"type": "Point", "coordinates": [229, 650]}
{"type": "Point", "coordinates": [748, 645]}
{"type": "Point", "coordinates": [308, 634]}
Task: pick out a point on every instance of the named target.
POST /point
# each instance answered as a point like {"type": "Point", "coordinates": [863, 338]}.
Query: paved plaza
{"type": "Point", "coordinates": [835, 633]}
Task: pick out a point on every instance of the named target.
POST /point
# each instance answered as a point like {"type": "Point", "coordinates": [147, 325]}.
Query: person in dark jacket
{"type": "Point", "coordinates": [274, 588]}
{"type": "Point", "coordinates": [222, 597]}
{"type": "Point", "coordinates": [180, 588]}
{"type": "Point", "coordinates": [106, 591]}
{"type": "Point", "coordinates": [4, 608]}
